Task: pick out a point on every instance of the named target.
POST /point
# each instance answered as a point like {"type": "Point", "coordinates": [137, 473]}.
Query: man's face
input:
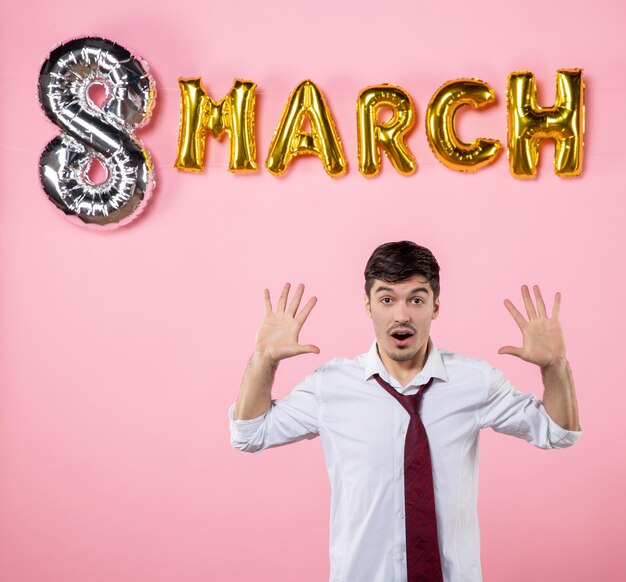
{"type": "Point", "coordinates": [402, 313]}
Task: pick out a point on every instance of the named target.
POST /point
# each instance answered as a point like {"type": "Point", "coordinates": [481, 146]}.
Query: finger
{"type": "Point", "coordinates": [517, 316]}
{"type": "Point", "coordinates": [304, 312]}
{"type": "Point", "coordinates": [267, 301]}
{"type": "Point", "coordinates": [528, 303]}
{"type": "Point", "coordinates": [295, 302]}
{"type": "Point", "coordinates": [557, 306]}
{"type": "Point", "coordinates": [511, 351]}
{"type": "Point", "coordinates": [541, 306]}
{"type": "Point", "coordinates": [282, 301]}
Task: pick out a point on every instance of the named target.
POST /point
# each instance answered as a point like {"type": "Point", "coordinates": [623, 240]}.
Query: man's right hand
{"type": "Point", "coordinates": [276, 340]}
{"type": "Point", "coordinates": [277, 337]}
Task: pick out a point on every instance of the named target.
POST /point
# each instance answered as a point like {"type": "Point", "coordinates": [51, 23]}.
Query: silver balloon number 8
{"type": "Point", "coordinates": [96, 132]}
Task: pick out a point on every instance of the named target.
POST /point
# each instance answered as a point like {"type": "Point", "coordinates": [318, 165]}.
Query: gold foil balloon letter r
{"type": "Point", "coordinates": [390, 135]}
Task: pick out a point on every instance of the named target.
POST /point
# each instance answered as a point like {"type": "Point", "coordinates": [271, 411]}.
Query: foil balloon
{"type": "Point", "coordinates": [232, 116]}
{"type": "Point", "coordinates": [93, 133]}
{"type": "Point", "coordinates": [441, 129]}
{"type": "Point", "coordinates": [390, 135]}
{"type": "Point", "coordinates": [322, 140]}
{"type": "Point", "coordinates": [528, 123]}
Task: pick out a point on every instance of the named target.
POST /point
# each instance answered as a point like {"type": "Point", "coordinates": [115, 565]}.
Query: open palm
{"type": "Point", "coordinates": [278, 334]}
{"type": "Point", "coordinates": [543, 342]}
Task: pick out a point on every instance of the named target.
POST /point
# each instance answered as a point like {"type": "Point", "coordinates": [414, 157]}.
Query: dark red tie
{"type": "Point", "coordinates": [422, 546]}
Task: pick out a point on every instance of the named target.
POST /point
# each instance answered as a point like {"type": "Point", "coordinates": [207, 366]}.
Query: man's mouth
{"type": "Point", "coordinates": [402, 337]}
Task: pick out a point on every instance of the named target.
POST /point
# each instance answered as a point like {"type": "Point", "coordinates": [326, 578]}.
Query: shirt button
{"type": "Point", "coordinates": [400, 556]}
{"type": "Point", "coordinates": [402, 516]}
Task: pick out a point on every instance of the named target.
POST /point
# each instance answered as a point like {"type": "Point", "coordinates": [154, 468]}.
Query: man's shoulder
{"type": "Point", "coordinates": [455, 362]}
{"type": "Point", "coordinates": [343, 365]}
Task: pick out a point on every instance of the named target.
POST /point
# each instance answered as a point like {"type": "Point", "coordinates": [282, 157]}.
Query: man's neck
{"type": "Point", "coordinates": [405, 370]}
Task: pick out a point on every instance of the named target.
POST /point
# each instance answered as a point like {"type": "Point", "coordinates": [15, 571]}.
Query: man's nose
{"type": "Point", "coordinates": [401, 314]}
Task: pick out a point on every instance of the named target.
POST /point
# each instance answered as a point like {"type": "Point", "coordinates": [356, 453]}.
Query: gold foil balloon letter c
{"type": "Point", "coordinates": [441, 131]}
{"type": "Point", "coordinates": [233, 115]}
{"type": "Point", "coordinates": [390, 134]}
{"type": "Point", "coordinates": [528, 123]}
{"type": "Point", "coordinates": [322, 139]}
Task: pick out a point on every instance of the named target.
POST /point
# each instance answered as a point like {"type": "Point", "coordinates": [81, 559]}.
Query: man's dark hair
{"type": "Point", "coordinates": [397, 261]}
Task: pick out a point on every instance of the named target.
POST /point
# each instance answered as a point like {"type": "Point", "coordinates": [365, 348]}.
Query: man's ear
{"type": "Point", "coordinates": [367, 305]}
{"type": "Point", "coordinates": [436, 308]}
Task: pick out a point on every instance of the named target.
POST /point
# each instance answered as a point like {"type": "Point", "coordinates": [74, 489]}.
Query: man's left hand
{"type": "Point", "coordinates": [543, 341]}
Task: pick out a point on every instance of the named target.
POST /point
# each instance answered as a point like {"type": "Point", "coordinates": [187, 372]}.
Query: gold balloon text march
{"type": "Point", "coordinates": [307, 127]}
{"type": "Point", "coordinates": [102, 132]}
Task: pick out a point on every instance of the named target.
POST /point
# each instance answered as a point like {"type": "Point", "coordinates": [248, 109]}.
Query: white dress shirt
{"type": "Point", "coordinates": [362, 430]}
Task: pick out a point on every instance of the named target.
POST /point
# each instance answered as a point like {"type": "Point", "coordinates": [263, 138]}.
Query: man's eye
{"type": "Point", "coordinates": [418, 300]}
{"type": "Point", "coordinates": [386, 300]}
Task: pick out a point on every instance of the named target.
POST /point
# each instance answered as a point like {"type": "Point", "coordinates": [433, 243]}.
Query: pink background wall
{"type": "Point", "coordinates": [120, 352]}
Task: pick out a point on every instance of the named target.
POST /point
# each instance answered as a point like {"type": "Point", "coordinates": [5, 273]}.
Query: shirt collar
{"type": "Point", "coordinates": [433, 368]}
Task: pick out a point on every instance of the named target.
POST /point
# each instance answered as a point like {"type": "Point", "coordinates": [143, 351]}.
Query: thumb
{"type": "Point", "coordinates": [511, 351]}
{"type": "Point", "coordinates": [308, 349]}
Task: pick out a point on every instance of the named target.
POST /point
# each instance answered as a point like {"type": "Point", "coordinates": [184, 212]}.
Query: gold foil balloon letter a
{"type": "Point", "coordinates": [322, 140]}
{"type": "Point", "coordinates": [528, 123]}
{"type": "Point", "coordinates": [441, 129]}
{"type": "Point", "coordinates": [390, 134]}
{"type": "Point", "coordinates": [233, 115]}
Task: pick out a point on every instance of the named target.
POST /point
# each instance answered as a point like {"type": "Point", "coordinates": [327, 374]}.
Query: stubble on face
{"type": "Point", "coordinates": [402, 355]}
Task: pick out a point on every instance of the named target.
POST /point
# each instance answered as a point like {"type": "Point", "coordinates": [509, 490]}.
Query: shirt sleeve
{"type": "Point", "coordinates": [286, 421]}
{"type": "Point", "coordinates": [515, 413]}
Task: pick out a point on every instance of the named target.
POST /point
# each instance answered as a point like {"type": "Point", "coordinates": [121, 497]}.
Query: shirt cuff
{"type": "Point", "coordinates": [242, 430]}
{"type": "Point", "coordinates": [561, 437]}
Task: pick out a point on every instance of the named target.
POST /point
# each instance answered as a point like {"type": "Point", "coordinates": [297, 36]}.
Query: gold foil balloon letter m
{"type": "Point", "coordinates": [233, 115]}
{"type": "Point", "coordinates": [528, 123]}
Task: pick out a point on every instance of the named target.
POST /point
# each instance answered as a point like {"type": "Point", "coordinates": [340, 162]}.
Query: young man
{"type": "Point", "coordinates": [400, 425]}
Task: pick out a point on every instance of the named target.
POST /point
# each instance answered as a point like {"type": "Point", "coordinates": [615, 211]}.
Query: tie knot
{"type": "Point", "coordinates": [412, 403]}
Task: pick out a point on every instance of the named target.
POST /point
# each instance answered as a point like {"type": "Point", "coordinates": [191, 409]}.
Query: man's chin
{"type": "Point", "coordinates": [398, 355]}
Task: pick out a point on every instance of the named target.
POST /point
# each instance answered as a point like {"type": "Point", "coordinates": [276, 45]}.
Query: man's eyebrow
{"type": "Point", "coordinates": [392, 290]}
